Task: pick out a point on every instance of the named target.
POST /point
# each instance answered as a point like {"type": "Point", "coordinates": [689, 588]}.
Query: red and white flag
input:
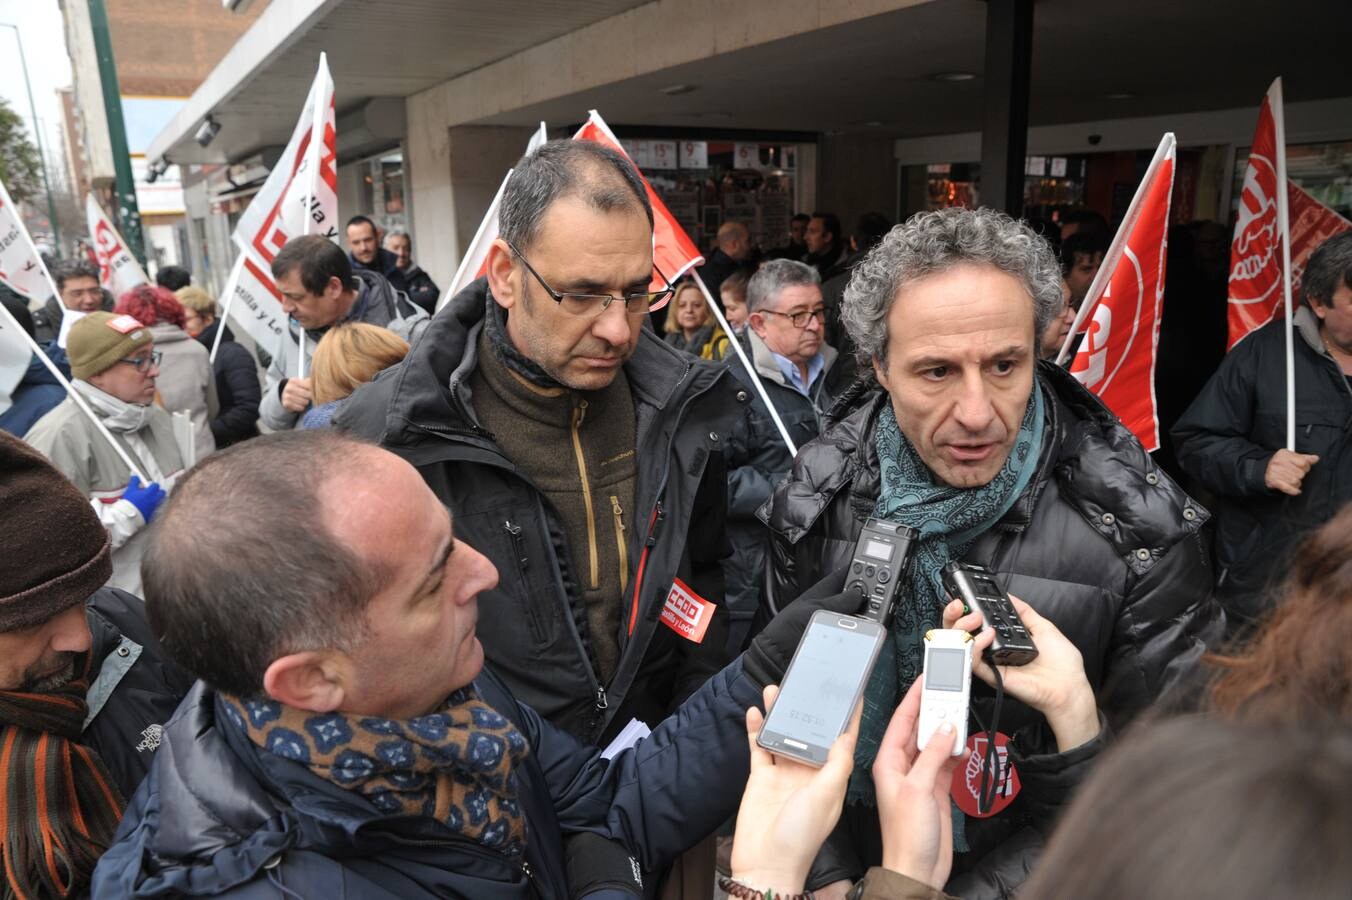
{"type": "Point", "coordinates": [299, 197]}
{"type": "Point", "coordinates": [673, 251]}
{"type": "Point", "coordinates": [1117, 359]}
{"type": "Point", "coordinates": [1312, 223]}
{"type": "Point", "coordinates": [118, 269]}
{"type": "Point", "coordinates": [21, 268]}
{"type": "Point", "coordinates": [1256, 295]}
{"type": "Point", "coordinates": [474, 264]}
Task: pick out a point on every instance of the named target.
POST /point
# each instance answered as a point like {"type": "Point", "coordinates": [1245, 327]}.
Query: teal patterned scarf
{"type": "Point", "coordinates": [457, 765]}
{"type": "Point", "coordinates": [949, 520]}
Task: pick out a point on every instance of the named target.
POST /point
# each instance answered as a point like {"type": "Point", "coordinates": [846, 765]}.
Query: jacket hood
{"type": "Point", "coordinates": [425, 394]}
{"type": "Point", "coordinates": [1307, 326]}
{"type": "Point", "coordinates": [1099, 465]}
{"type": "Point", "coordinates": [207, 336]}
{"type": "Point", "coordinates": [168, 333]}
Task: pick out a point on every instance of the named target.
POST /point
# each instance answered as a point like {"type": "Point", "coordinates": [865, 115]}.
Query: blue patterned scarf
{"type": "Point", "coordinates": [949, 520]}
{"type": "Point", "coordinates": [457, 765]}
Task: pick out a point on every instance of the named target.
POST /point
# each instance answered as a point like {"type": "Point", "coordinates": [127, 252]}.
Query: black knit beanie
{"type": "Point", "coordinates": [55, 552]}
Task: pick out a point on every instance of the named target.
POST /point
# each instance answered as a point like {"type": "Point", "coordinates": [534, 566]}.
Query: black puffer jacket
{"type": "Point", "coordinates": [533, 625]}
{"type": "Point", "coordinates": [1101, 542]}
{"type": "Point", "coordinates": [1229, 434]}
{"type": "Point", "coordinates": [237, 388]}
{"type": "Point", "coordinates": [133, 690]}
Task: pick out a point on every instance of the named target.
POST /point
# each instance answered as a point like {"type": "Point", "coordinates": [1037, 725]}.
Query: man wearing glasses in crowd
{"type": "Point", "coordinates": [114, 366]}
{"type": "Point", "coordinates": [577, 451]}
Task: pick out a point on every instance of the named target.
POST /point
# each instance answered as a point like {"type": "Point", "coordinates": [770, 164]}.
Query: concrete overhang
{"type": "Point", "coordinates": [377, 52]}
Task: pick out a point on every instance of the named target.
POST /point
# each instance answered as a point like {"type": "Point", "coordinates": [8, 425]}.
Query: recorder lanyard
{"type": "Point", "coordinates": [991, 774]}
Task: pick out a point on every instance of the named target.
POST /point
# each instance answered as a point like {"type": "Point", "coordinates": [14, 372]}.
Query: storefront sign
{"type": "Point", "coordinates": [694, 154]}
{"type": "Point", "coordinates": [746, 156]}
{"type": "Point", "coordinates": [662, 155]}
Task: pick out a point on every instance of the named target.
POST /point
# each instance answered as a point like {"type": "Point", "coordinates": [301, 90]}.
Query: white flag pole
{"type": "Point", "coordinates": [746, 363]}
{"type": "Point", "coordinates": [73, 394]}
{"type": "Point", "coordinates": [1284, 232]}
{"type": "Point", "coordinates": [1109, 264]}
{"type": "Point", "coordinates": [314, 152]}
{"type": "Point", "coordinates": [231, 285]}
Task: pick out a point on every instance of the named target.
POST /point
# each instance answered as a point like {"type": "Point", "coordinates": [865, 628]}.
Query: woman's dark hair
{"type": "Point", "coordinates": [1201, 809]}
{"type": "Point", "coordinates": [1298, 665]}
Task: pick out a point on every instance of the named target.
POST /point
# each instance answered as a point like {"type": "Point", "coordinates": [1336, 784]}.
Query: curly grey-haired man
{"type": "Point", "coordinates": [1004, 461]}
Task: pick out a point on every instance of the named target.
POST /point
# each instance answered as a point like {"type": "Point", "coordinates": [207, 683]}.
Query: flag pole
{"type": "Point", "coordinates": [314, 154]}
{"type": "Point", "coordinates": [746, 363]}
{"type": "Point", "coordinates": [73, 394]}
{"type": "Point", "coordinates": [1284, 233]}
{"type": "Point", "coordinates": [1105, 271]}
{"type": "Point", "coordinates": [231, 285]}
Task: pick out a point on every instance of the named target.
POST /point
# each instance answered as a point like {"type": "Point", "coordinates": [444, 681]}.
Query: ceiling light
{"type": "Point", "coordinates": [672, 90]}
{"type": "Point", "coordinates": [953, 76]}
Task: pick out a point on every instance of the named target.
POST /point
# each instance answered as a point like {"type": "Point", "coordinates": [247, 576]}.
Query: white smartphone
{"type": "Point", "coordinates": [822, 686]}
{"type": "Point", "coordinates": [947, 686]}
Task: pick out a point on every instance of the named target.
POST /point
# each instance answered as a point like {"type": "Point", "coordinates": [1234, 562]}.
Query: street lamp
{"type": "Point", "coordinates": [37, 132]}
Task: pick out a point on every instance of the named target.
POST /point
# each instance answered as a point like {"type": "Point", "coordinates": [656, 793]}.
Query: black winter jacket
{"type": "Point", "coordinates": [237, 388]}
{"type": "Point", "coordinates": [1232, 429]}
{"type": "Point", "coordinates": [421, 289]}
{"type": "Point", "coordinates": [385, 264]}
{"type": "Point", "coordinates": [1101, 542]}
{"type": "Point", "coordinates": [758, 459]}
{"type": "Point", "coordinates": [133, 689]}
{"type": "Point", "coordinates": [220, 818]}
{"type": "Point", "coordinates": [533, 625]}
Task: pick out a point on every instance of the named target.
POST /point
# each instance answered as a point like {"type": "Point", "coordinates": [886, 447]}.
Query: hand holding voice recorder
{"type": "Point", "coordinates": [975, 586]}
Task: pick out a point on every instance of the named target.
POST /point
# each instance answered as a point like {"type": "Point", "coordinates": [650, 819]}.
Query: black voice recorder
{"type": "Point", "coordinates": [878, 568]}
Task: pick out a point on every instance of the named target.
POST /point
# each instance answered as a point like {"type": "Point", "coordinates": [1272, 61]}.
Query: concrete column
{"type": "Point", "coordinates": [1004, 133]}
{"type": "Point", "coordinates": [856, 174]}
{"type": "Point", "coordinates": [452, 174]}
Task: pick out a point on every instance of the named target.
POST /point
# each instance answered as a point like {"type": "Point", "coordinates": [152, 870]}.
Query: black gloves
{"type": "Point", "coordinates": [769, 654]}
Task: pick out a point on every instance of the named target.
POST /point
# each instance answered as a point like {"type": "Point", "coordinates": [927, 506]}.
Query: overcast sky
{"type": "Point", "coordinates": [44, 45]}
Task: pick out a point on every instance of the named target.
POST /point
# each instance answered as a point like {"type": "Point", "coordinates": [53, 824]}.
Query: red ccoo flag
{"type": "Point", "coordinates": [673, 251]}
{"type": "Point", "coordinates": [1312, 223]}
{"type": "Point", "coordinates": [1117, 358]}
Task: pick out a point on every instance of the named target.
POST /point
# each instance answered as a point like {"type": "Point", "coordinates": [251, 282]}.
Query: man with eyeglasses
{"type": "Point", "coordinates": [114, 366]}
{"type": "Point", "coordinates": [319, 288]}
{"type": "Point", "coordinates": [784, 341]}
{"type": "Point", "coordinates": [577, 451]}
{"type": "Point", "coordinates": [77, 282]}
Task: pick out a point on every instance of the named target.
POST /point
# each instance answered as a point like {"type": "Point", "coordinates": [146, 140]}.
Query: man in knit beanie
{"type": "Point", "coordinates": [84, 688]}
{"type": "Point", "coordinates": [114, 364]}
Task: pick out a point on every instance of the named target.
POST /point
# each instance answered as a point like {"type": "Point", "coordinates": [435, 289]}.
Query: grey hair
{"type": "Point", "coordinates": [598, 174]}
{"type": "Point", "coordinates": [933, 242]}
{"type": "Point", "coordinates": [772, 277]}
{"type": "Point", "coordinates": [398, 232]}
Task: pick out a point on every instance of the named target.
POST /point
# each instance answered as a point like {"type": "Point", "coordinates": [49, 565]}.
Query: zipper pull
{"type": "Point", "coordinates": [517, 543]}
{"type": "Point", "coordinates": [615, 506]}
{"type": "Point", "coordinates": [659, 514]}
{"type": "Point", "coordinates": [601, 701]}
{"type": "Point", "coordinates": [527, 871]}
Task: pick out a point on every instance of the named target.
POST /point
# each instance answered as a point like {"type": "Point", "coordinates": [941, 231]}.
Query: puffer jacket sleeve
{"type": "Point", "coordinates": [1167, 621]}
{"type": "Point", "coordinates": [241, 378]}
{"type": "Point", "coordinates": [1212, 438]}
{"type": "Point", "coordinates": [662, 796]}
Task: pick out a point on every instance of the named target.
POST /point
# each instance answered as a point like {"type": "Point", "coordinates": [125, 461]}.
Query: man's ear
{"type": "Point", "coordinates": [335, 288]}
{"type": "Point", "coordinates": [313, 680]}
{"type": "Point", "coordinates": [880, 372]}
{"type": "Point", "coordinates": [500, 274]}
{"type": "Point", "coordinates": [757, 322]}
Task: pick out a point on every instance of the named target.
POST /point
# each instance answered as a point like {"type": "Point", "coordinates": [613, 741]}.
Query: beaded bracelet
{"type": "Point", "coordinates": [734, 888]}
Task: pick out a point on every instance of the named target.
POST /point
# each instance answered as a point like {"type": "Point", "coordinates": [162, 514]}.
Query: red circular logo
{"type": "Point", "coordinates": [967, 779]}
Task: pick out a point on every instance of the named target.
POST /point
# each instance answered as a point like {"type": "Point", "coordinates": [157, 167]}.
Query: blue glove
{"type": "Point", "coordinates": [145, 497]}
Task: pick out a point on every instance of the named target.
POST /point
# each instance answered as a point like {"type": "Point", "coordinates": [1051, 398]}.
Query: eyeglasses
{"type": "Point", "coordinates": [591, 305]}
{"type": "Point", "coordinates": [144, 363]}
{"type": "Point", "coordinates": [800, 319]}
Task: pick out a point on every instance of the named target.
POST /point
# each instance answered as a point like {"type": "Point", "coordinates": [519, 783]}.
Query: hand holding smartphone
{"type": "Point", "coordinates": [822, 686]}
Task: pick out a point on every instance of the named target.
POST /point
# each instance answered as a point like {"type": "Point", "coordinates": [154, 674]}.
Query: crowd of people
{"type": "Point", "coordinates": [490, 600]}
